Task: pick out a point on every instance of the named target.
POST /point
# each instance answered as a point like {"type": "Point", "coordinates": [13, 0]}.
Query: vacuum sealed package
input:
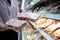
{"type": "Point", "coordinates": [15, 23]}
{"type": "Point", "coordinates": [53, 27]}
{"type": "Point", "coordinates": [40, 21]}
{"type": "Point", "coordinates": [30, 16]}
{"type": "Point", "coordinates": [56, 33]}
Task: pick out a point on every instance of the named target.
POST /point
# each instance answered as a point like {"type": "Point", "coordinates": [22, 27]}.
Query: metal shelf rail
{"type": "Point", "coordinates": [24, 34]}
{"type": "Point", "coordinates": [19, 35]}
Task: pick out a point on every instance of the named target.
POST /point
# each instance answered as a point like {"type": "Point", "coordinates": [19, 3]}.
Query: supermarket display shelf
{"type": "Point", "coordinates": [48, 37]}
{"type": "Point", "coordinates": [45, 14]}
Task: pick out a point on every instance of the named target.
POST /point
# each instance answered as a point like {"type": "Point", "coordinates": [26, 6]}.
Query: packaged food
{"type": "Point", "coordinates": [15, 23]}
{"type": "Point", "coordinates": [30, 16]}
{"type": "Point", "coordinates": [52, 27]}
{"type": "Point", "coordinates": [49, 22]}
{"type": "Point", "coordinates": [10, 22]}
{"type": "Point", "coordinates": [40, 21]}
{"type": "Point", "coordinates": [56, 33]}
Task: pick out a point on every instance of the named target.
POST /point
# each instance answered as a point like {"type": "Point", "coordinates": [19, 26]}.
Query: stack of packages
{"type": "Point", "coordinates": [24, 16]}
{"type": "Point", "coordinates": [32, 33]}
{"type": "Point", "coordinates": [52, 27]}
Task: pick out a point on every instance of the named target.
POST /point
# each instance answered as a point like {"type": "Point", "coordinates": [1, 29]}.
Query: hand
{"type": "Point", "coordinates": [2, 26]}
